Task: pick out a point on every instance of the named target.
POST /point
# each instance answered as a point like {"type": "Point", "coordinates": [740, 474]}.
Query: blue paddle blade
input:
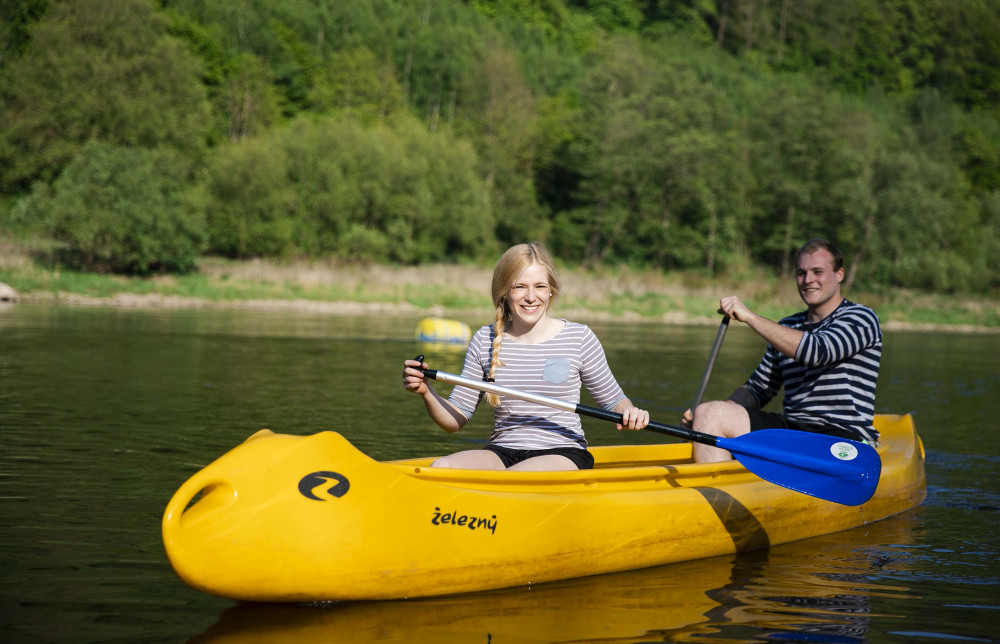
{"type": "Point", "coordinates": [826, 467]}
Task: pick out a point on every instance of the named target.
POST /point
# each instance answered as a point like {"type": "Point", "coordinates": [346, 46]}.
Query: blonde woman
{"type": "Point", "coordinates": [527, 349]}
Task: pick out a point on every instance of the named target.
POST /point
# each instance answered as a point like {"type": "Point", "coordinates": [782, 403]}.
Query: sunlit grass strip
{"type": "Point", "coordinates": [619, 293]}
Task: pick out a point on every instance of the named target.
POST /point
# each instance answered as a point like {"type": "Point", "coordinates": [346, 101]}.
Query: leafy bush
{"type": "Point", "coordinates": [331, 186]}
{"type": "Point", "coordinates": [123, 210]}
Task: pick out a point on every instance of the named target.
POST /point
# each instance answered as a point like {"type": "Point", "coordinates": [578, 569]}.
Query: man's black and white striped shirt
{"type": "Point", "coordinates": [831, 381]}
{"type": "Point", "coordinates": [555, 368]}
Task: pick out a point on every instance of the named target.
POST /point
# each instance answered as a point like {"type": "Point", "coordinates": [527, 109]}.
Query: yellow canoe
{"type": "Point", "coordinates": [310, 518]}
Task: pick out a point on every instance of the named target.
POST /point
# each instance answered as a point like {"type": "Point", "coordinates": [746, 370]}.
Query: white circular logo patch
{"type": "Point", "coordinates": [844, 451]}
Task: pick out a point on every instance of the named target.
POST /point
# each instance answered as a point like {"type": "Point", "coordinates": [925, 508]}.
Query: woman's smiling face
{"type": "Point", "coordinates": [528, 298]}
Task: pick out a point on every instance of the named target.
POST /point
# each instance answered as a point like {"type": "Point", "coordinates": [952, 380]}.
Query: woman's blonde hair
{"type": "Point", "coordinates": [510, 265]}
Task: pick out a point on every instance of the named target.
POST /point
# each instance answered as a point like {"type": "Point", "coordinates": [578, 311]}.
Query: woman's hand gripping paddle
{"type": "Point", "coordinates": [815, 464]}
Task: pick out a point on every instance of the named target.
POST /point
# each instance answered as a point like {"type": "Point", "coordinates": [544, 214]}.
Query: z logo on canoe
{"type": "Point", "coordinates": [310, 482]}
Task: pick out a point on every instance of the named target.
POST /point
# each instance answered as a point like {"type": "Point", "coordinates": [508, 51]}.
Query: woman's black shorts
{"type": "Point", "coordinates": [583, 459]}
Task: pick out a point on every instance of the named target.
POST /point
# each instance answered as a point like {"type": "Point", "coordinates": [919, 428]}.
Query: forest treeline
{"type": "Point", "coordinates": [675, 134]}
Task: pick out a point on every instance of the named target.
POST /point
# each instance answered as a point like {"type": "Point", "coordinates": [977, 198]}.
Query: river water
{"type": "Point", "coordinates": [105, 412]}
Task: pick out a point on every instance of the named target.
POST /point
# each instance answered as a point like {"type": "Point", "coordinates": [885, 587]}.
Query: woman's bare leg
{"type": "Point", "coordinates": [473, 459]}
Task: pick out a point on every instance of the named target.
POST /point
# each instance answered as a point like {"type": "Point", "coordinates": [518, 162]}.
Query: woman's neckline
{"type": "Point", "coordinates": [559, 328]}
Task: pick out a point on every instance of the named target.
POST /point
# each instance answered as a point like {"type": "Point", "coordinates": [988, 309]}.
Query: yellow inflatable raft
{"type": "Point", "coordinates": [443, 331]}
{"type": "Point", "coordinates": [310, 518]}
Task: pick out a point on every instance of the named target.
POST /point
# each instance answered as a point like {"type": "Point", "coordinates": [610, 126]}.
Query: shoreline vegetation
{"type": "Point", "coordinates": [461, 291]}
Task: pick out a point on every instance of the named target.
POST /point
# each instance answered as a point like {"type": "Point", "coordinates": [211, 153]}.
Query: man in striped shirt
{"type": "Point", "coordinates": [826, 357]}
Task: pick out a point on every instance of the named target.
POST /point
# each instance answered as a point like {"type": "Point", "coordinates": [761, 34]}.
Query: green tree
{"type": "Point", "coordinates": [656, 150]}
{"type": "Point", "coordinates": [967, 53]}
{"type": "Point", "coordinates": [97, 69]}
{"type": "Point", "coordinates": [795, 135]}
{"type": "Point", "coordinates": [613, 15]}
{"type": "Point", "coordinates": [500, 115]}
{"type": "Point", "coordinates": [295, 67]}
{"type": "Point", "coordinates": [123, 210]}
{"type": "Point", "coordinates": [927, 236]}
{"type": "Point", "coordinates": [355, 80]}
{"type": "Point", "coordinates": [16, 18]}
{"type": "Point", "coordinates": [989, 239]}
{"type": "Point", "coordinates": [433, 46]}
{"type": "Point", "coordinates": [899, 45]}
{"type": "Point", "coordinates": [251, 103]}
{"type": "Point", "coordinates": [249, 199]}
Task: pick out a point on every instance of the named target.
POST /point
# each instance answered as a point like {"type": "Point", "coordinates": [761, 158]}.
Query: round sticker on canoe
{"type": "Point", "coordinates": [844, 451]}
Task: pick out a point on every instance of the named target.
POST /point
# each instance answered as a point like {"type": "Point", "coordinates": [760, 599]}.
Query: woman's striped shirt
{"type": "Point", "coordinates": [831, 381]}
{"type": "Point", "coordinates": [555, 368]}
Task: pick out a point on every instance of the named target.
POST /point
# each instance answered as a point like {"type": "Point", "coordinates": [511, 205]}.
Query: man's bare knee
{"type": "Point", "coordinates": [709, 418]}
{"type": "Point", "coordinates": [721, 418]}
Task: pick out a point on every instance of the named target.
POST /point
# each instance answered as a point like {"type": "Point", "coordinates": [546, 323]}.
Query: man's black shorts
{"type": "Point", "coordinates": [583, 459]}
{"type": "Point", "coordinates": [769, 420]}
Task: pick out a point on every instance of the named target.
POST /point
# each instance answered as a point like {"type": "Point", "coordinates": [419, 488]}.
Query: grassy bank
{"type": "Point", "coordinates": [615, 292]}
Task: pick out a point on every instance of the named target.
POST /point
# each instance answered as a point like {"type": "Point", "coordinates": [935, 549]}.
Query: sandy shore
{"type": "Point", "coordinates": [156, 301]}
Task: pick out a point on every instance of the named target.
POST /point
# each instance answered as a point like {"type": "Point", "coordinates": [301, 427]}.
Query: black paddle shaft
{"type": "Point", "coordinates": [719, 336]}
{"type": "Point", "coordinates": [653, 426]}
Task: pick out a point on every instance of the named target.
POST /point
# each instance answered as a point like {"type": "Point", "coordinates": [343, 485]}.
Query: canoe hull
{"type": "Point", "coordinates": [294, 519]}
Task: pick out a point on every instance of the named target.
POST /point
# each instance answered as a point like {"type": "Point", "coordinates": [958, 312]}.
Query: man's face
{"type": "Point", "coordinates": [817, 281]}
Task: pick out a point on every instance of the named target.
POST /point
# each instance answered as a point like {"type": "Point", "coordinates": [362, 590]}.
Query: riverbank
{"type": "Point", "coordinates": [329, 287]}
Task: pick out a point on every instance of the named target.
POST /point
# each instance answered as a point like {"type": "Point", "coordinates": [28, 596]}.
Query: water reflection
{"type": "Point", "coordinates": [821, 589]}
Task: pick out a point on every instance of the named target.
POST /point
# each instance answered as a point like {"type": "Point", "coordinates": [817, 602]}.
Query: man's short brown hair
{"type": "Point", "coordinates": [818, 243]}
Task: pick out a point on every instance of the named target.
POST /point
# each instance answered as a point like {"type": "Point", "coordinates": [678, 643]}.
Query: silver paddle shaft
{"type": "Point", "coordinates": [481, 385]}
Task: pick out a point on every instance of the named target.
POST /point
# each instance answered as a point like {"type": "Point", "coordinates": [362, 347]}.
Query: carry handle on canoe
{"type": "Point", "coordinates": [826, 467]}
